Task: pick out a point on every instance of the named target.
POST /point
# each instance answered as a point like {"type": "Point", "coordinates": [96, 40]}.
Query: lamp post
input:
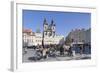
{"type": "Point", "coordinates": [43, 40]}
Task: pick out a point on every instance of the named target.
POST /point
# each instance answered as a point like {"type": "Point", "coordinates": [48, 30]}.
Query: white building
{"type": "Point", "coordinates": [53, 40]}
{"type": "Point", "coordinates": [30, 38]}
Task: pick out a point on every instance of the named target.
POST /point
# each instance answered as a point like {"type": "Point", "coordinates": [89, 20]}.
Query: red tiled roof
{"type": "Point", "coordinates": [27, 30]}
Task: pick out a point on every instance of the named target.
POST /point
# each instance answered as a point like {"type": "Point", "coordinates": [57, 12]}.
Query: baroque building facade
{"type": "Point", "coordinates": [79, 36]}
{"type": "Point", "coordinates": [31, 38]}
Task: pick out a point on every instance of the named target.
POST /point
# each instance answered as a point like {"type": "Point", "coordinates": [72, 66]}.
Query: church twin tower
{"type": "Point", "coordinates": [48, 30]}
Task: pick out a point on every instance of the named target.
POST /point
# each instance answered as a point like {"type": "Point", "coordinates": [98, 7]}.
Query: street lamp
{"type": "Point", "coordinates": [43, 40]}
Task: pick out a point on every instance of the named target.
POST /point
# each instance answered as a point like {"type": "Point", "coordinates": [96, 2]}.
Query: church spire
{"type": "Point", "coordinates": [45, 21]}
{"type": "Point", "coordinates": [52, 22]}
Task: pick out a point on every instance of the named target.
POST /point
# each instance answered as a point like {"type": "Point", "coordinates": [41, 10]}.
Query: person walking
{"type": "Point", "coordinates": [44, 53]}
{"type": "Point", "coordinates": [61, 50]}
{"type": "Point", "coordinates": [70, 51]}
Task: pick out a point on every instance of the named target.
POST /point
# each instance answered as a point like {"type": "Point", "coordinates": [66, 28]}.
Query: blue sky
{"type": "Point", "coordinates": [65, 21]}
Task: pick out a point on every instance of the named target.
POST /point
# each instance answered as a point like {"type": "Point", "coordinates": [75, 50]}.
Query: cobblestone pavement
{"type": "Point", "coordinates": [30, 53]}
